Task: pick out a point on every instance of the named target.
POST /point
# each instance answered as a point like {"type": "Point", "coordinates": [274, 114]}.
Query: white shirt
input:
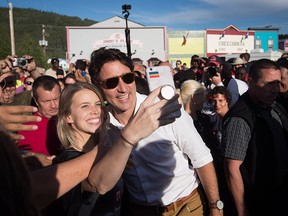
{"type": "Point", "coordinates": [161, 173]}
{"type": "Point", "coordinates": [242, 86]}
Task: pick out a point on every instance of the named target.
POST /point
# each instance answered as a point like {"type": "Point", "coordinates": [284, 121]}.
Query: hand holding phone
{"type": "Point", "coordinates": [162, 76]}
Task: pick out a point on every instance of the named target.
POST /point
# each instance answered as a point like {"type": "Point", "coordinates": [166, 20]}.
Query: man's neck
{"type": "Point", "coordinates": [123, 117]}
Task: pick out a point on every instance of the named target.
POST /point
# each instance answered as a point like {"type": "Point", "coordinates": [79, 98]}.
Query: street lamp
{"type": "Point", "coordinates": [125, 11]}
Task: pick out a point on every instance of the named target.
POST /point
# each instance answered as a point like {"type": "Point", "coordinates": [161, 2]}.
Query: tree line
{"type": "Point", "coordinates": [28, 31]}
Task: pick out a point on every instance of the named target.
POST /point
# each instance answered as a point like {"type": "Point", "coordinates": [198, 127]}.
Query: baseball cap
{"type": "Point", "coordinates": [283, 62]}
{"type": "Point", "coordinates": [54, 60]}
{"type": "Point", "coordinates": [214, 60]}
{"type": "Point", "coordinates": [238, 61]}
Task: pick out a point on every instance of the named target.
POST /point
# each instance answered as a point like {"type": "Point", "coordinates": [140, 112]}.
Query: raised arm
{"type": "Point", "coordinates": [54, 181]}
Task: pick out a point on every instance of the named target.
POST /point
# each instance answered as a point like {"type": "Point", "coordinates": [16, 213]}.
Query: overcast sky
{"type": "Point", "coordinates": [175, 14]}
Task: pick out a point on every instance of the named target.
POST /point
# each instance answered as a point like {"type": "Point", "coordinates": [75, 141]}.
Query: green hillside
{"type": "Point", "coordinates": [28, 31]}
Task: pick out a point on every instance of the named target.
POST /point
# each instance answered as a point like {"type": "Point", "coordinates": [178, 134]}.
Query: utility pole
{"type": "Point", "coordinates": [43, 42]}
{"type": "Point", "coordinates": [12, 38]}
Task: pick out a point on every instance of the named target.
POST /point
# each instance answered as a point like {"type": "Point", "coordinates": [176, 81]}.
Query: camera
{"type": "Point", "coordinates": [212, 71]}
{"type": "Point", "coordinates": [126, 7]}
{"type": "Point", "coordinates": [20, 62]}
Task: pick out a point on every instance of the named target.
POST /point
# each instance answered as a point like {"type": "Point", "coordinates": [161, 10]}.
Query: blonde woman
{"type": "Point", "coordinates": [193, 96]}
{"type": "Point", "coordinates": [82, 124]}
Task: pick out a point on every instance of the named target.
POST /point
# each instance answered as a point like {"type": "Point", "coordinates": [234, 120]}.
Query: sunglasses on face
{"type": "Point", "coordinates": [113, 82]}
{"type": "Point", "coordinates": [28, 83]}
{"type": "Point", "coordinates": [8, 82]}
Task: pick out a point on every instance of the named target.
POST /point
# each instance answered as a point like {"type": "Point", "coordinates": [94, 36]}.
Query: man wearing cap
{"type": "Point", "coordinates": [54, 67]}
{"type": "Point", "coordinates": [219, 73]}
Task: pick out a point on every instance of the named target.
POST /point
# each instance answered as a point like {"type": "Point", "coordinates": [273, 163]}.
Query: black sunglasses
{"type": "Point", "coordinates": [28, 83]}
{"type": "Point", "coordinates": [113, 82]}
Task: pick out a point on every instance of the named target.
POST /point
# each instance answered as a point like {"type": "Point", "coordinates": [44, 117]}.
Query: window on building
{"type": "Point", "coordinates": [270, 44]}
{"type": "Point", "coordinates": [258, 44]}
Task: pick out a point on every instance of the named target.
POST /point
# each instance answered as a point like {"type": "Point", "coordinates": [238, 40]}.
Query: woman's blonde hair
{"type": "Point", "coordinates": [188, 88]}
{"type": "Point", "coordinates": [64, 129]}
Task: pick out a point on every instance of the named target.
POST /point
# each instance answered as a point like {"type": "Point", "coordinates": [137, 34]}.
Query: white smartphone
{"type": "Point", "coordinates": [162, 76]}
{"type": "Point", "coordinates": [159, 76]}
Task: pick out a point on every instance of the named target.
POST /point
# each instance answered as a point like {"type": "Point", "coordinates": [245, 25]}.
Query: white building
{"type": "Point", "coordinates": [146, 41]}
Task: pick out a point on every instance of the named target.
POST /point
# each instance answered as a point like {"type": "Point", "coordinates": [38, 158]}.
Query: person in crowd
{"type": "Point", "coordinates": [61, 82]}
{"type": "Point", "coordinates": [237, 63]}
{"type": "Point", "coordinates": [82, 124]}
{"type": "Point", "coordinates": [220, 98]}
{"type": "Point", "coordinates": [254, 144]}
{"type": "Point", "coordinates": [14, 116]}
{"type": "Point", "coordinates": [20, 75]}
{"type": "Point", "coordinates": [184, 66]}
{"type": "Point", "coordinates": [194, 72]}
{"type": "Point", "coordinates": [283, 96]}
{"type": "Point", "coordinates": [178, 66]}
{"type": "Point", "coordinates": [241, 74]}
{"type": "Point", "coordinates": [60, 73]}
{"type": "Point", "coordinates": [192, 96]}
{"type": "Point", "coordinates": [71, 69]}
{"type": "Point", "coordinates": [54, 181]}
{"type": "Point", "coordinates": [54, 67]}
{"type": "Point", "coordinates": [44, 142]}
{"type": "Point", "coordinates": [82, 73]}
{"type": "Point", "coordinates": [220, 74]}
{"type": "Point", "coordinates": [9, 96]}
{"type": "Point", "coordinates": [154, 188]}
{"type": "Point", "coordinates": [139, 70]}
{"type": "Point", "coordinates": [69, 79]}
{"type": "Point", "coordinates": [228, 73]}
{"type": "Point", "coordinates": [245, 57]}
{"type": "Point", "coordinates": [142, 86]}
{"type": "Point", "coordinates": [28, 82]}
{"type": "Point", "coordinates": [16, 197]}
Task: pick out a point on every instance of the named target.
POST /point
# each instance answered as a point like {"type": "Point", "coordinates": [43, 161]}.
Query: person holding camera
{"type": "Point", "coordinates": [8, 79]}
{"type": "Point", "coordinates": [193, 73]}
{"type": "Point", "coordinates": [218, 73]}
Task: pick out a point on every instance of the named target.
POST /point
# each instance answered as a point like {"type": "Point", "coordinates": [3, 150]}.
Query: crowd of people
{"type": "Point", "coordinates": [94, 140]}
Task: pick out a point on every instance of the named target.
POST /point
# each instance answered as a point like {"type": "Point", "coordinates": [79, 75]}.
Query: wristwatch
{"type": "Point", "coordinates": [218, 205]}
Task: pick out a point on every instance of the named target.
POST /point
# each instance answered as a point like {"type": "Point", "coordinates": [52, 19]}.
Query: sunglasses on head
{"type": "Point", "coordinates": [3, 83]}
{"type": "Point", "coordinates": [28, 83]}
{"type": "Point", "coordinates": [113, 82]}
{"type": "Point", "coordinates": [8, 82]}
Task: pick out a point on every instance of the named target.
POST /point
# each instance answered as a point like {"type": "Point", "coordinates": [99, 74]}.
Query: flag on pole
{"type": "Point", "coordinates": [247, 34]}
{"type": "Point", "coordinates": [185, 39]}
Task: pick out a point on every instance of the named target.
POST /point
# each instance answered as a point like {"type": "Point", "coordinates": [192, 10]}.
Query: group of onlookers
{"type": "Point", "coordinates": [109, 147]}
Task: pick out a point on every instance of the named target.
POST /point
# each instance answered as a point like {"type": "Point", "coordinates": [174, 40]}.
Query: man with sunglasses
{"type": "Point", "coordinates": [28, 82]}
{"type": "Point", "coordinates": [158, 179]}
{"type": "Point", "coordinates": [9, 96]}
{"type": "Point", "coordinates": [13, 117]}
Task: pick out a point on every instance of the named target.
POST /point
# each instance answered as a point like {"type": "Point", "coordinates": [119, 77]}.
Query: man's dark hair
{"type": "Point", "coordinates": [246, 56]}
{"type": "Point", "coordinates": [223, 91]}
{"type": "Point", "coordinates": [46, 82]}
{"type": "Point", "coordinates": [101, 56]}
{"type": "Point", "coordinates": [70, 75]}
{"type": "Point", "coordinates": [81, 64]}
{"type": "Point", "coordinates": [257, 66]}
